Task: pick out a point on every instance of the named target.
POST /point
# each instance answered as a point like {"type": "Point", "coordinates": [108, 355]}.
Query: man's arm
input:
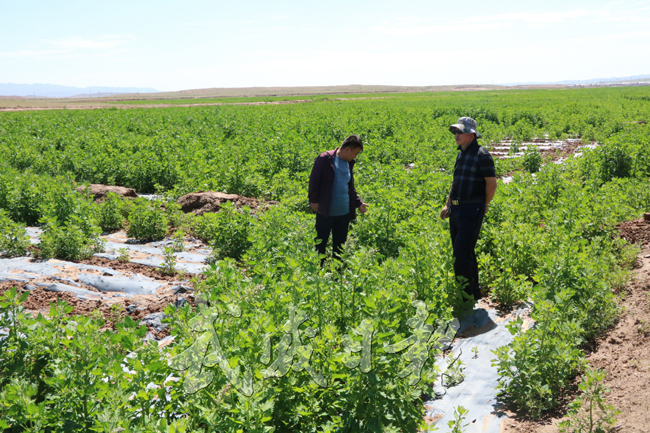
{"type": "Point", "coordinates": [358, 203]}
{"type": "Point", "coordinates": [444, 213]}
{"type": "Point", "coordinates": [314, 183]}
{"type": "Point", "coordinates": [490, 190]}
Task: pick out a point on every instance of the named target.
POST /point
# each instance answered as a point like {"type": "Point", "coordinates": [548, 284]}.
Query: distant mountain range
{"type": "Point", "coordinates": [590, 81]}
{"type": "Point", "coordinates": [55, 91]}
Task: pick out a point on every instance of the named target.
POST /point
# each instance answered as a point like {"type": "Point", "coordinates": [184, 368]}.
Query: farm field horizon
{"type": "Point", "coordinates": [257, 95]}
{"type": "Point", "coordinates": [549, 242]}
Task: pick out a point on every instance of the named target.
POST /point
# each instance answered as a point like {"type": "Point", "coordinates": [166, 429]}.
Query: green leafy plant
{"type": "Point", "coordinates": [110, 214]}
{"type": "Point", "coordinates": [537, 365]}
{"type": "Point", "coordinates": [14, 240]}
{"type": "Point", "coordinates": [590, 412]}
{"type": "Point", "coordinates": [147, 221]}
{"type": "Point", "coordinates": [168, 267]}
{"type": "Point", "coordinates": [475, 352]}
{"type": "Point", "coordinates": [532, 159]}
{"type": "Point", "coordinates": [71, 241]}
{"type": "Point", "coordinates": [123, 256]}
{"type": "Point", "coordinates": [454, 375]}
{"type": "Point", "coordinates": [176, 217]}
{"type": "Point", "coordinates": [515, 146]}
{"type": "Point", "coordinates": [226, 231]}
{"type": "Point", "coordinates": [179, 241]}
{"type": "Point", "coordinates": [456, 425]}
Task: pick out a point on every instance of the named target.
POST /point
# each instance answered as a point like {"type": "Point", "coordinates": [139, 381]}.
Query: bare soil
{"type": "Point", "coordinates": [136, 268]}
{"type": "Point", "coordinates": [211, 201]}
{"type": "Point", "coordinates": [623, 352]}
{"type": "Point", "coordinates": [39, 299]}
{"type": "Point", "coordinates": [100, 192]}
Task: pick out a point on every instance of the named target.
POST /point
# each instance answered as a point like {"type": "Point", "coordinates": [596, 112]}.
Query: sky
{"type": "Point", "coordinates": [174, 45]}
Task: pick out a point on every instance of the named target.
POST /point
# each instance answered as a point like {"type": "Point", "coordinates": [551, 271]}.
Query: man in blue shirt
{"type": "Point", "coordinates": [332, 194]}
{"type": "Point", "coordinates": [472, 189]}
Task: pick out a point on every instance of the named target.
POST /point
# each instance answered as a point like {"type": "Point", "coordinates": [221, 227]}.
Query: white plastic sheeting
{"type": "Point", "coordinates": [486, 330]}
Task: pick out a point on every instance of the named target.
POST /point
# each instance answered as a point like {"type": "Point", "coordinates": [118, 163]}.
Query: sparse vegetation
{"type": "Point", "coordinates": [168, 267]}
{"type": "Point", "coordinates": [123, 256]}
{"type": "Point", "coordinates": [179, 241]}
{"type": "Point", "coordinates": [590, 412]}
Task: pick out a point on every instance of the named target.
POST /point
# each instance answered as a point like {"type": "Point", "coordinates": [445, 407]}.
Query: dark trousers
{"type": "Point", "coordinates": [337, 226]}
{"type": "Point", "coordinates": [465, 225]}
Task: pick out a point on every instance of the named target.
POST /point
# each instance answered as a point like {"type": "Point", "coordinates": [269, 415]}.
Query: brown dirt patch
{"type": "Point", "coordinates": [635, 231]}
{"type": "Point", "coordinates": [623, 352]}
{"type": "Point", "coordinates": [100, 192]}
{"type": "Point", "coordinates": [39, 301]}
{"type": "Point", "coordinates": [136, 268]}
{"type": "Point", "coordinates": [211, 201]}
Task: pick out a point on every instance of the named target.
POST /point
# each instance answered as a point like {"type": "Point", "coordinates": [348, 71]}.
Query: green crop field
{"type": "Point", "coordinates": [279, 348]}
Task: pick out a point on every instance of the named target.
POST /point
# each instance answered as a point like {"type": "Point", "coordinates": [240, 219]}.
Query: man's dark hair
{"type": "Point", "coordinates": [353, 141]}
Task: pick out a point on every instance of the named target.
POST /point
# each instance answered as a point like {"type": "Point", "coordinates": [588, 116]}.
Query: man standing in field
{"type": "Point", "coordinates": [332, 194]}
{"type": "Point", "coordinates": [471, 191]}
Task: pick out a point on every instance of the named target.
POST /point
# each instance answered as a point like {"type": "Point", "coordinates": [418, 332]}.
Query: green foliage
{"type": "Point", "coordinates": [168, 267]}
{"type": "Point", "coordinates": [590, 412]}
{"type": "Point", "coordinates": [456, 425]}
{"type": "Point", "coordinates": [532, 159]}
{"type": "Point", "coordinates": [539, 363]}
{"type": "Point", "coordinates": [147, 221]}
{"type": "Point", "coordinates": [176, 217]}
{"type": "Point", "coordinates": [226, 231]}
{"type": "Point", "coordinates": [548, 238]}
{"type": "Point", "coordinates": [111, 213]}
{"type": "Point", "coordinates": [453, 375]}
{"type": "Point", "coordinates": [179, 241]}
{"type": "Point", "coordinates": [14, 240]}
{"type": "Point", "coordinates": [74, 240]}
{"type": "Point", "coordinates": [123, 255]}
{"type": "Point", "coordinates": [67, 371]}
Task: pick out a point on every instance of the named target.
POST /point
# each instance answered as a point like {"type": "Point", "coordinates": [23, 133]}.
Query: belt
{"type": "Point", "coordinates": [469, 201]}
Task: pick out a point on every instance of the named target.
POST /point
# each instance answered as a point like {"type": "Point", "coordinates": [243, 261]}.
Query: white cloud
{"type": "Point", "coordinates": [618, 37]}
{"type": "Point", "coordinates": [410, 30]}
{"type": "Point", "coordinates": [21, 54]}
{"type": "Point", "coordinates": [71, 47]}
{"type": "Point", "coordinates": [82, 43]}
{"type": "Point", "coordinates": [196, 24]}
{"type": "Point", "coordinates": [533, 17]}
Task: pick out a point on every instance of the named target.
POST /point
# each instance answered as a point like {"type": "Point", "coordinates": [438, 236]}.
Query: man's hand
{"type": "Point", "coordinates": [314, 206]}
{"type": "Point", "coordinates": [444, 213]}
{"type": "Point", "coordinates": [363, 208]}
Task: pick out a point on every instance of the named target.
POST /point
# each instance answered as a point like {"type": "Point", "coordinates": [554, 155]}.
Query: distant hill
{"type": "Point", "coordinates": [589, 81]}
{"type": "Point", "coordinates": [56, 91]}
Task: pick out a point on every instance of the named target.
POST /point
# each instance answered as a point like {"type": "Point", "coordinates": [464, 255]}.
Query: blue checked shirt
{"type": "Point", "coordinates": [473, 165]}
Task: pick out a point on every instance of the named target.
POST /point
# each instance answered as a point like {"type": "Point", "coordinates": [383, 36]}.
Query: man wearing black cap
{"type": "Point", "coordinates": [471, 191]}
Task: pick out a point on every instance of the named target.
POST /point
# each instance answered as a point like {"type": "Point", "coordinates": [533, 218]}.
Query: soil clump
{"type": "Point", "coordinates": [100, 192]}
{"type": "Point", "coordinates": [623, 352]}
{"type": "Point", "coordinates": [211, 201]}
